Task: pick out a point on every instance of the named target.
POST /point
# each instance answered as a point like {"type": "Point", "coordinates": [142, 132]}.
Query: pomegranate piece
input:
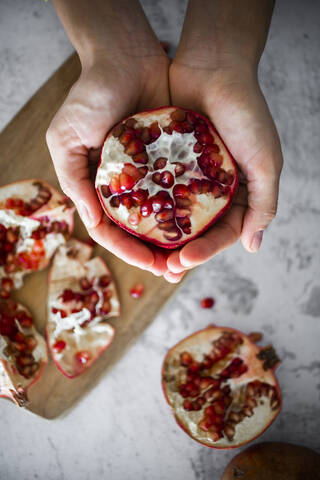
{"type": "Point", "coordinates": [137, 290]}
{"type": "Point", "coordinates": [276, 461]}
{"type": "Point", "coordinates": [34, 220]}
{"type": "Point", "coordinates": [183, 156]}
{"type": "Point", "coordinates": [23, 352]}
{"type": "Point", "coordinates": [221, 374]}
{"type": "Point", "coordinates": [82, 297]}
{"type": "Point", "coordinates": [207, 302]}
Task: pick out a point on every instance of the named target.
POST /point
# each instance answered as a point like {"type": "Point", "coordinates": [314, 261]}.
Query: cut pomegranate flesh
{"type": "Point", "coordinates": [34, 220]}
{"type": "Point", "coordinates": [165, 175]}
{"type": "Point", "coordinates": [82, 296]}
{"type": "Point", "coordinates": [23, 352]}
{"type": "Point", "coordinates": [221, 387]}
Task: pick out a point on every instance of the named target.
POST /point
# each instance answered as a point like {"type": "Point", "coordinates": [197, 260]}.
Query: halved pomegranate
{"type": "Point", "coordinates": [34, 220]}
{"type": "Point", "coordinates": [221, 387]}
{"type": "Point", "coordinates": [82, 296]}
{"type": "Point", "coordinates": [165, 175]}
{"type": "Point", "coordinates": [23, 352]}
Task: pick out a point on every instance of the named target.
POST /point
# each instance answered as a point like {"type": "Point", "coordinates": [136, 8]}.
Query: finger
{"type": "Point", "coordinates": [174, 264]}
{"type": "Point", "coordinates": [159, 266]}
{"type": "Point", "coordinates": [263, 187]}
{"type": "Point", "coordinates": [215, 240]}
{"type": "Point", "coordinates": [122, 244]}
{"type": "Point", "coordinates": [173, 277]}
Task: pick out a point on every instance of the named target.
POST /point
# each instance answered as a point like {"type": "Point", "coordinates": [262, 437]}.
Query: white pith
{"type": "Point", "coordinates": [98, 334]}
{"type": "Point", "coordinates": [176, 147]}
{"type": "Point", "coordinates": [10, 379]}
{"type": "Point", "coordinates": [199, 345]}
{"type": "Point", "coordinates": [27, 225]}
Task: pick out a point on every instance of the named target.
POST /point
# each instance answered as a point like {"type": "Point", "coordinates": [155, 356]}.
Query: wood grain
{"type": "Point", "coordinates": [24, 155]}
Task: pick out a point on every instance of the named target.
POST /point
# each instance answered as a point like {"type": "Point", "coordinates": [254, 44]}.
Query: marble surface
{"type": "Point", "coordinates": [123, 429]}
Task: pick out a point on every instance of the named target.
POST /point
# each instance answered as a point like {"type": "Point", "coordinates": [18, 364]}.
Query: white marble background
{"type": "Point", "coordinates": [123, 429]}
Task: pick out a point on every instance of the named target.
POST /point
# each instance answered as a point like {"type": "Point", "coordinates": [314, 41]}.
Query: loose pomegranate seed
{"type": "Point", "coordinates": [137, 290]}
{"type": "Point", "coordinates": [207, 302]}
{"type": "Point", "coordinates": [82, 357]}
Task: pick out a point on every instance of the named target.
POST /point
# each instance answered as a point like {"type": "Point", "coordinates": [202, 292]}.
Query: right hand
{"type": "Point", "coordinates": [107, 91]}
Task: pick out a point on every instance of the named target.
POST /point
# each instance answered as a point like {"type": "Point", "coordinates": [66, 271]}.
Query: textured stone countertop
{"type": "Point", "coordinates": [123, 429]}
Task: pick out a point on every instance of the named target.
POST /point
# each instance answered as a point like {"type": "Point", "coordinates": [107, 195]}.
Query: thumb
{"type": "Point", "coordinates": [263, 186]}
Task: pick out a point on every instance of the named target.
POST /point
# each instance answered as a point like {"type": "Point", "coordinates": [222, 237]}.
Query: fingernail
{"type": "Point", "coordinates": [256, 241]}
{"type": "Point", "coordinates": [85, 215]}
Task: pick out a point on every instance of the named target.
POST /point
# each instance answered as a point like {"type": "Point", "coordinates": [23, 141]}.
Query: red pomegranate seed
{"type": "Point", "coordinates": [118, 130]}
{"type": "Point", "coordinates": [137, 290]}
{"type": "Point", "coordinates": [164, 216]}
{"type": "Point", "coordinates": [185, 359]}
{"type": "Point", "coordinates": [207, 302]}
{"type": "Point", "coordinates": [142, 172]}
{"type": "Point", "coordinates": [139, 196]}
{"type": "Point", "coordinates": [194, 367]}
{"type": "Point", "coordinates": [114, 185]}
{"type": "Point", "coordinates": [200, 127]}
{"type": "Point", "coordinates": [173, 234]}
{"type": "Point", "coordinates": [105, 191]}
{"type": "Point", "coordinates": [104, 281]}
{"type": "Point", "coordinates": [156, 178]}
{"type": "Point", "coordinates": [126, 200]}
{"type": "Point", "coordinates": [179, 169]}
{"type": "Point", "coordinates": [82, 357]}
{"type": "Point", "coordinates": [167, 130]}
{"type": "Point", "coordinates": [187, 127]}
{"type": "Point", "coordinates": [195, 186]}
{"type": "Point", "coordinates": [180, 190]}
{"type": "Point", "coordinates": [146, 208]}
{"type": "Point", "coordinates": [205, 138]}
{"type": "Point", "coordinates": [155, 131]}
{"type": "Point", "coordinates": [131, 123]}
{"type": "Point", "coordinates": [191, 118]}
{"type": "Point", "coordinates": [160, 163]}
{"type": "Point", "coordinates": [178, 116]}
{"type": "Point", "coordinates": [157, 203]}
{"type": "Point", "coordinates": [85, 284]}
{"type": "Point", "coordinates": [145, 135]}
{"type": "Point", "coordinates": [188, 405]}
{"type": "Point", "coordinates": [177, 127]}
{"type": "Point", "coordinates": [166, 179]}
{"type": "Point", "coordinates": [198, 147]}
{"type": "Point", "coordinates": [7, 284]}
{"type": "Point", "coordinates": [115, 201]}
{"type": "Point", "coordinates": [134, 147]}
{"type": "Point", "coordinates": [67, 295]}
{"type": "Point", "coordinates": [127, 136]}
{"type": "Point", "coordinates": [141, 158]}
{"type": "Point", "coordinates": [134, 218]}
{"type": "Point", "coordinates": [126, 181]}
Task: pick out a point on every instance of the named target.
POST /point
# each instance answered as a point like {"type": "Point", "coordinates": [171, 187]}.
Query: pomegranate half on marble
{"type": "Point", "coordinates": [34, 220]}
{"type": "Point", "coordinates": [165, 175]}
{"type": "Point", "coordinates": [82, 297]}
{"type": "Point", "coordinates": [221, 387]}
{"type": "Point", "coordinates": [23, 352]}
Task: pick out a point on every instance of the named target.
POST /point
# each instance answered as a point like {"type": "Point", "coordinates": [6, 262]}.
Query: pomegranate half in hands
{"type": "Point", "coordinates": [82, 297]}
{"type": "Point", "coordinates": [221, 387]}
{"type": "Point", "coordinates": [34, 220]}
{"type": "Point", "coordinates": [165, 175]}
{"type": "Point", "coordinates": [23, 352]}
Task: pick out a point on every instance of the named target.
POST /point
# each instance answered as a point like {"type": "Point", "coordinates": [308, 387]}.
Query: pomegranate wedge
{"type": "Point", "coordinates": [165, 175]}
{"type": "Point", "coordinates": [34, 220]}
{"type": "Point", "coordinates": [23, 352]}
{"type": "Point", "coordinates": [221, 387]}
{"type": "Point", "coordinates": [82, 296]}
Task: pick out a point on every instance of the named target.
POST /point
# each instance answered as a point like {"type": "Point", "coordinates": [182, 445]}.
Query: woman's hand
{"type": "Point", "coordinates": [215, 72]}
{"type": "Point", "coordinates": [117, 79]}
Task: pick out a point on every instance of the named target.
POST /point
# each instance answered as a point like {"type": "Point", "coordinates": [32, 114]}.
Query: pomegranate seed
{"type": "Point", "coordinates": [142, 171]}
{"type": "Point", "coordinates": [126, 181]}
{"type": "Point", "coordinates": [131, 122]}
{"type": "Point", "coordinates": [168, 130]}
{"type": "Point", "coordinates": [180, 190]}
{"type": "Point", "coordinates": [139, 196]}
{"type": "Point", "coordinates": [184, 224]}
{"type": "Point", "coordinates": [255, 337]}
{"type": "Point", "coordinates": [137, 290]}
{"type": "Point", "coordinates": [178, 116]}
{"type": "Point", "coordinates": [140, 158]}
{"type": "Point", "coordinates": [115, 201]}
{"type": "Point", "coordinates": [160, 163]}
{"type": "Point", "coordinates": [157, 203]}
{"type": "Point", "coordinates": [155, 131]}
{"type": "Point", "coordinates": [117, 130]}
{"type": "Point", "coordinates": [177, 127]}
{"type": "Point", "coordinates": [104, 281]}
{"type": "Point", "coordinates": [82, 357]}
{"type": "Point", "coordinates": [205, 424]}
{"type": "Point", "coordinates": [191, 118]}
{"type": "Point", "coordinates": [179, 169]}
{"type": "Point", "coordinates": [207, 302]}
{"type": "Point", "coordinates": [114, 185]}
{"type": "Point", "coordinates": [185, 359]}
{"type": "Point", "coordinates": [7, 284]}
{"type": "Point", "coordinates": [127, 136]}
{"type": "Point", "coordinates": [134, 147]}
{"type": "Point", "coordinates": [187, 405]}
{"type": "Point", "coordinates": [198, 147]}
{"type": "Point", "coordinates": [31, 343]}
{"type": "Point", "coordinates": [195, 186]}
{"type": "Point", "coordinates": [67, 295]}
{"type": "Point", "coordinates": [156, 178]}
{"type": "Point", "coordinates": [173, 234]}
{"type": "Point", "coordinates": [145, 135]}
{"type": "Point", "coordinates": [204, 138]}
{"type": "Point", "coordinates": [134, 218]}
{"type": "Point", "coordinates": [200, 127]}
{"type": "Point", "coordinates": [164, 216]}
{"type": "Point", "coordinates": [194, 367]}
{"type": "Point", "coordinates": [85, 284]}
{"type": "Point", "coordinates": [126, 200]}
{"type": "Point", "coordinates": [205, 382]}
{"type": "Point", "coordinates": [166, 179]}
{"type": "Point", "coordinates": [167, 226]}
{"type": "Point", "coordinates": [187, 127]}
{"type": "Point", "coordinates": [146, 208]}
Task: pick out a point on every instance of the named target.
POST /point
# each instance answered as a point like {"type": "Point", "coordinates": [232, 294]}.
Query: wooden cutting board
{"type": "Point", "coordinates": [24, 154]}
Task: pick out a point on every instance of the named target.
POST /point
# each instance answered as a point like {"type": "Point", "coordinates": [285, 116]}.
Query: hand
{"type": "Point", "coordinates": [233, 101]}
{"type": "Point", "coordinates": [106, 92]}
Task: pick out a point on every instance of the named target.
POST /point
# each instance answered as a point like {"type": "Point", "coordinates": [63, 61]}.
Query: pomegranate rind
{"type": "Point", "coordinates": [221, 205]}
{"type": "Point", "coordinates": [98, 334]}
{"type": "Point", "coordinates": [56, 209]}
{"type": "Point", "coordinates": [13, 385]}
{"type": "Point", "coordinates": [198, 344]}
